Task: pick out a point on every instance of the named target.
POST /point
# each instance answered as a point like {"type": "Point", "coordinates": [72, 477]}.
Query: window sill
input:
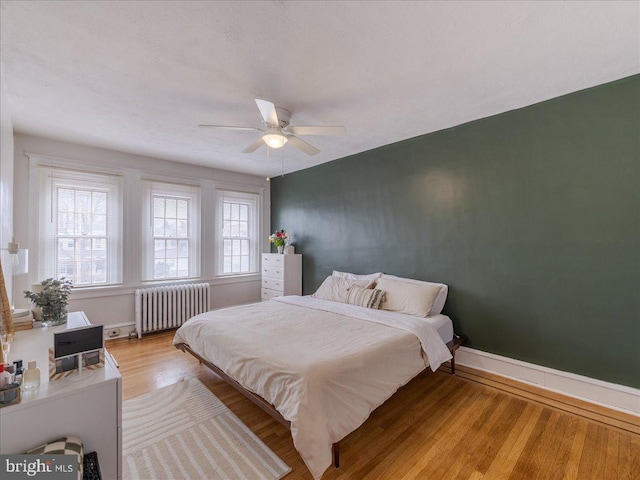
{"type": "Point", "coordinates": [117, 290]}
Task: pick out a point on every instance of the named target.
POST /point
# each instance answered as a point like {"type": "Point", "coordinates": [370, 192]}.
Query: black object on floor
{"type": "Point", "coordinates": [91, 467]}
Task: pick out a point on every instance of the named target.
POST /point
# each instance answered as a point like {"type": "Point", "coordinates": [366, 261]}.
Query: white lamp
{"type": "Point", "coordinates": [274, 139]}
{"type": "Point", "coordinates": [19, 264]}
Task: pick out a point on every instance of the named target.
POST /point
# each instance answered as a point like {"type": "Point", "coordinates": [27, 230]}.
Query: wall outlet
{"type": "Point", "coordinates": [113, 332]}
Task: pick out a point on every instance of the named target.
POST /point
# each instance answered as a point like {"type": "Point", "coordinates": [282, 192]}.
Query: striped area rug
{"type": "Point", "coordinates": [183, 432]}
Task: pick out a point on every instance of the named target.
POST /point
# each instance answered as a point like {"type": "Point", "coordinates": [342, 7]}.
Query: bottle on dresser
{"type": "Point", "coordinates": [5, 377]}
{"type": "Point", "coordinates": [31, 377]}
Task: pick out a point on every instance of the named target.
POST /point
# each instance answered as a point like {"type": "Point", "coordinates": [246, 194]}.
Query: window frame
{"type": "Point", "coordinates": [51, 181]}
{"type": "Point", "coordinates": [254, 200]}
{"type": "Point", "coordinates": [170, 190]}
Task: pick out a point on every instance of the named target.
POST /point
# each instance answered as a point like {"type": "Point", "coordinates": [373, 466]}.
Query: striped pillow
{"type": "Point", "coordinates": [365, 297]}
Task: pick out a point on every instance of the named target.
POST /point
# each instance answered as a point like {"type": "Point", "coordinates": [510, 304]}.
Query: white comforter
{"type": "Point", "coordinates": [325, 366]}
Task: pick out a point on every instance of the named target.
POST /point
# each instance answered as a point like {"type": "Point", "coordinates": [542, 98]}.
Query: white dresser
{"type": "Point", "coordinates": [88, 406]}
{"type": "Point", "coordinates": [281, 275]}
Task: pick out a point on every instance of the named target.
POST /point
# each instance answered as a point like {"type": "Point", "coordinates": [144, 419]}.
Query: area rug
{"type": "Point", "coordinates": [184, 432]}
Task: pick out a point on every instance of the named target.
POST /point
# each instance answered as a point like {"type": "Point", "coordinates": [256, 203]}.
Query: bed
{"type": "Point", "coordinates": [320, 367]}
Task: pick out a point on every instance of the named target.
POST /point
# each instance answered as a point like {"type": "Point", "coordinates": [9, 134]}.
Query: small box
{"type": "Point", "coordinates": [10, 396]}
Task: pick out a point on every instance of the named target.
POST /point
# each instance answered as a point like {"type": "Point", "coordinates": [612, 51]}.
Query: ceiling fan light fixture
{"type": "Point", "coordinates": [274, 139]}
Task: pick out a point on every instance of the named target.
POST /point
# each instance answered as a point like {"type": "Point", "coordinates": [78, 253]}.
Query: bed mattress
{"type": "Point", "coordinates": [324, 366]}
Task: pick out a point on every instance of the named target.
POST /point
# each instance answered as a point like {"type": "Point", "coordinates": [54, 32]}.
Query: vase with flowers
{"type": "Point", "coordinates": [52, 297]}
{"type": "Point", "coordinates": [279, 239]}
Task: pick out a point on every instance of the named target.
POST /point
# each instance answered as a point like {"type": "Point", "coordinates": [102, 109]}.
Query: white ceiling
{"type": "Point", "coordinates": [140, 76]}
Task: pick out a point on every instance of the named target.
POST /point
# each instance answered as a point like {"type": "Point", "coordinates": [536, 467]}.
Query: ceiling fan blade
{"type": "Point", "coordinates": [302, 145]}
{"type": "Point", "coordinates": [254, 146]}
{"type": "Point", "coordinates": [317, 130]}
{"type": "Point", "coordinates": [268, 111]}
{"type": "Point", "coordinates": [231, 127]}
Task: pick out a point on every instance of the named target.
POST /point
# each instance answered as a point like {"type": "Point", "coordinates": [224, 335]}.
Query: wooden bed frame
{"type": "Point", "coordinates": [453, 345]}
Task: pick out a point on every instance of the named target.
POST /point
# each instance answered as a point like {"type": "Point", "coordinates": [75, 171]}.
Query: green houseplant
{"type": "Point", "coordinates": [52, 299]}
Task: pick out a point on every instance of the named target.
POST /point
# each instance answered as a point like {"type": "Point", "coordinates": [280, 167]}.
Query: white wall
{"type": "Point", "coordinates": [115, 305]}
{"type": "Point", "coordinates": [6, 184]}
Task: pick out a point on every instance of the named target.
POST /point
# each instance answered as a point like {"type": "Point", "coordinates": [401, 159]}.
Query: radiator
{"type": "Point", "coordinates": [162, 308]}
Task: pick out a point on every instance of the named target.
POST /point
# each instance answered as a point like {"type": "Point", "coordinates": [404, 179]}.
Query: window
{"type": "Point", "coordinates": [81, 219]}
{"type": "Point", "coordinates": [172, 245]}
{"type": "Point", "coordinates": [238, 228]}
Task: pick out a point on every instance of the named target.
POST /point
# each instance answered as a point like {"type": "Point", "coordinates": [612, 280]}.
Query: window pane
{"type": "Point", "coordinates": [183, 228]}
{"type": "Point", "coordinates": [83, 247]}
{"type": "Point", "coordinates": [158, 249]}
{"type": "Point", "coordinates": [65, 200]}
{"type": "Point", "coordinates": [244, 264]}
{"type": "Point", "coordinates": [170, 208]}
{"type": "Point", "coordinates": [83, 224]}
{"type": "Point", "coordinates": [99, 226]}
{"type": "Point", "coordinates": [226, 230]}
{"type": "Point", "coordinates": [235, 264]}
{"type": "Point", "coordinates": [236, 247]}
{"type": "Point", "coordinates": [83, 201]}
{"type": "Point", "coordinates": [172, 268]}
{"type": "Point", "coordinates": [158, 207]}
{"type": "Point", "coordinates": [66, 269]}
{"type": "Point", "coordinates": [158, 227]}
{"type": "Point", "coordinates": [100, 271]}
{"type": "Point", "coordinates": [172, 248]}
{"type": "Point", "coordinates": [65, 250]}
{"type": "Point", "coordinates": [84, 272]}
{"type": "Point", "coordinates": [235, 229]}
{"type": "Point", "coordinates": [244, 247]}
{"type": "Point", "coordinates": [183, 248]}
{"type": "Point", "coordinates": [244, 212]}
{"type": "Point", "coordinates": [100, 248]}
{"type": "Point", "coordinates": [183, 267]}
{"type": "Point", "coordinates": [170, 227]}
{"type": "Point", "coordinates": [235, 211]}
{"type": "Point", "coordinates": [183, 209]}
{"type": "Point", "coordinates": [227, 265]}
{"type": "Point", "coordinates": [159, 269]}
{"type": "Point", "coordinates": [227, 247]}
{"type": "Point", "coordinates": [226, 211]}
{"type": "Point", "coordinates": [244, 229]}
{"type": "Point", "coordinates": [66, 224]}
{"type": "Point", "coordinates": [99, 202]}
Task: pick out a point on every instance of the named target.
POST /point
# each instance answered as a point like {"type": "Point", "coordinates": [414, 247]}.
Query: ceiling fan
{"type": "Point", "coordinates": [278, 132]}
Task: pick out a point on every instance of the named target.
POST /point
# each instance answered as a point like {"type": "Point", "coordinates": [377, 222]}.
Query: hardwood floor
{"type": "Point", "coordinates": [438, 427]}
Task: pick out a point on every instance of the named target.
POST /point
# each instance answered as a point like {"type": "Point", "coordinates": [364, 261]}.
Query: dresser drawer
{"type": "Point", "coordinates": [273, 283]}
{"type": "Point", "coordinates": [268, 294]}
{"type": "Point", "coordinates": [273, 259]}
{"type": "Point", "coordinates": [273, 272]}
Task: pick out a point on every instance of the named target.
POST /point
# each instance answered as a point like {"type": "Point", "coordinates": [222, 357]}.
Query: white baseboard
{"type": "Point", "coordinates": [123, 330]}
{"type": "Point", "coordinates": [610, 395]}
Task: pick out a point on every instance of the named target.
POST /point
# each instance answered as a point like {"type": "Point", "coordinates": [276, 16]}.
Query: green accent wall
{"type": "Point", "coordinates": [532, 217]}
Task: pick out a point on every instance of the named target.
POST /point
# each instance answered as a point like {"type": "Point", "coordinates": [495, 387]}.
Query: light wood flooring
{"type": "Point", "coordinates": [438, 427]}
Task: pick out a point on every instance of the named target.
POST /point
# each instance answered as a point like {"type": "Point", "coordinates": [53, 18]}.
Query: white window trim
{"type": "Point", "coordinates": [132, 261]}
{"type": "Point", "coordinates": [243, 195]}
{"type": "Point", "coordinates": [170, 189]}
{"type": "Point", "coordinates": [49, 178]}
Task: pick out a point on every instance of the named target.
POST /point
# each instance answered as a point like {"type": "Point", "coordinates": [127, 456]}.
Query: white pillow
{"type": "Point", "coordinates": [336, 289]}
{"type": "Point", "coordinates": [406, 297]}
{"type": "Point", "coordinates": [372, 277]}
{"type": "Point", "coordinates": [440, 300]}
